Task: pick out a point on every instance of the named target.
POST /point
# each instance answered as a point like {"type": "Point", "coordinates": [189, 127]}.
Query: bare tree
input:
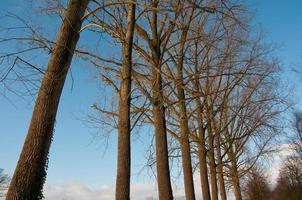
{"type": "Point", "coordinates": [124, 129]}
{"type": "Point", "coordinates": [289, 183]}
{"type": "Point", "coordinates": [30, 173]}
{"type": "Point", "coordinates": [256, 186]}
{"type": "Point", "coordinates": [296, 139]}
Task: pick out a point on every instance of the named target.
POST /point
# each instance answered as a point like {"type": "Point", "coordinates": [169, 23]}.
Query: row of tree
{"type": "Point", "coordinates": [193, 70]}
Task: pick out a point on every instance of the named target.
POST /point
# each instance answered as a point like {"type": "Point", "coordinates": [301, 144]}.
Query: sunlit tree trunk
{"type": "Point", "coordinates": [122, 190]}
{"type": "Point", "coordinates": [203, 170]}
{"type": "Point", "coordinates": [212, 165]}
{"type": "Point", "coordinates": [159, 118]}
{"type": "Point", "coordinates": [202, 152]}
{"type": "Point", "coordinates": [221, 183]}
{"type": "Point", "coordinates": [235, 175]}
{"type": "Point", "coordinates": [162, 160]}
{"type": "Point", "coordinates": [183, 121]}
{"type": "Point", "coordinates": [29, 177]}
{"type": "Point", "coordinates": [211, 146]}
{"type": "Point", "coordinates": [156, 46]}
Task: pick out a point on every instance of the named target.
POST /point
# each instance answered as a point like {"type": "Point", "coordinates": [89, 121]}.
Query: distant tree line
{"type": "Point", "coordinates": [289, 181]}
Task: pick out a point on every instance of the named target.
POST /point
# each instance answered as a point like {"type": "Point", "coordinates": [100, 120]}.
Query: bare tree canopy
{"type": "Point", "coordinates": [193, 79]}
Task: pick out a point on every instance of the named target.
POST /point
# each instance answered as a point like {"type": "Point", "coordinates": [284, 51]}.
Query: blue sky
{"type": "Point", "coordinates": [75, 155]}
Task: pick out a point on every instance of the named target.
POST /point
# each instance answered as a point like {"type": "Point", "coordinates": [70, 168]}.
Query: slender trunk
{"type": "Point", "coordinates": [221, 183]}
{"type": "Point", "coordinates": [208, 104]}
{"type": "Point", "coordinates": [205, 188]}
{"type": "Point", "coordinates": [162, 159]}
{"type": "Point", "coordinates": [213, 173]}
{"type": "Point", "coordinates": [122, 189]}
{"type": "Point", "coordinates": [158, 109]}
{"type": "Point", "coordinates": [29, 177]}
{"type": "Point", "coordinates": [202, 152]}
{"type": "Point", "coordinates": [184, 129]}
{"type": "Point", "coordinates": [235, 175]}
{"type": "Point", "coordinates": [187, 166]}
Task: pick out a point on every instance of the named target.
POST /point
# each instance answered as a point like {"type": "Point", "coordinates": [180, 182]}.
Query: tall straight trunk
{"type": "Point", "coordinates": [158, 109]}
{"type": "Point", "coordinates": [205, 188]}
{"type": "Point", "coordinates": [202, 152]}
{"type": "Point", "coordinates": [187, 168]}
{"type": "Point", "coordinates": [235, 175]}
{"type": "Point", "coordinates": [184, 128]}
{"type": "Point", "coordinates": [221, 183]}
{"type": "Point", "coordinates": [162, 160]}
{"type": "Point", "coordinates": [122, 189]}
{"type": "Point", "coordinates": [208, 104]}
{"type": "Point", "coordinates": [213, 173]}
{"type": "Point", "coordinates": [30, 173]}
{"type": "Point", "coordinates": [159, 121]}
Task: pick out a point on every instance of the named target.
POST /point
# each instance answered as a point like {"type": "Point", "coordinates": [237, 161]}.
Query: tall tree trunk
{"type": "Point", "coordinates": [162, 161]}
{"type": "Point", "coordinates": [184, 129]}
{"type": "Point", "coordinates": [213, 173]}
{"type": "Point", "coordinates": [122, 190]}
{"type": "Point", "coordinates": [210, 129]}
{"type": "Point", "coordinates": [205, 188]}
{"type": "Point", "coordinates": [158, 109]}
{"type": "Point", "coordinates": [162, 157]}
{"type": "Point", "coordinates": [221, 183]}
{"type": "Point", "coordinates": [187, 169]}
{"type": "Point", "coordinates": [202, 152]}
{"type": "Point", "coordinates": [29, 177]}
{"type": "Point", "coordinates": [235, 175]}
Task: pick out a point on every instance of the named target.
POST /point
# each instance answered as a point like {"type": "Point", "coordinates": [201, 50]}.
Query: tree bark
{"type": "Point", "coordinates": [212, 164]}
{"type": "Point", "coordinates": [29, 177]}
{"type": "Point", "coordinates": [213, 173]}
{"type": "Point", "coordinates": [203, 170]}
{"type": "Point", "coordinates": [158, 109]}
{"type": "Point", "coordinates": [221, 183]}
{"type": "Point", "coordinates": [183, 121]}
{"type": "Point", "coordinates": [202, 152]}
{"type": "Point", "coordinates": [187, 166]}
{"type": "Point", "coordinates": [122, 190]}
{"type": "Point", "coordinates": [235, 175]}
{"type": "Point", "coordinates": [162, 159]}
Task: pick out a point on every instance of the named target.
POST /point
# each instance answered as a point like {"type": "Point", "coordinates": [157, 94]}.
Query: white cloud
{"type": "Point", "coordinates": [78, 191]}
{"type": "Point", "coordinates": [148, 191]}
{"type": "Point", "coordinates": [284, 151]}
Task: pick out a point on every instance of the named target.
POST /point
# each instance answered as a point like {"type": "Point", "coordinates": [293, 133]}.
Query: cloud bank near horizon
{"type": "Point", "coordinates": [78, 191]}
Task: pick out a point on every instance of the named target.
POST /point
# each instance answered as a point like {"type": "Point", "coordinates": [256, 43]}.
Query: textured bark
{"type": "Point", "coordinates": [213, 173]}
{"type": "Point", "coordinates": [187, 167]}
{"type": "Point", "coordinates": [162, 160]}
{"type": "Point", "coordinates": [202, 152]}
{"type": "Point", "coordinates": [235, 175]}
{"type": "Point", "coordinates": [210, 130]}
{"type": "Point", "coordinates": [29, 177]}
{"type": "Point", "coordinates": [203, 170]}
{"type": "Point", "coordinates": [122, 190]}
{"type": "Point", "coordinates": [158, 109]}
{"type": "Point", "coordinates": [186, 163]}
{"type": "Point", "coordinates": [202, 156]}
{"type": "Point", "coordinates": [221, 183]}
{"type": "Point", "coordinates": [184, 129]}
